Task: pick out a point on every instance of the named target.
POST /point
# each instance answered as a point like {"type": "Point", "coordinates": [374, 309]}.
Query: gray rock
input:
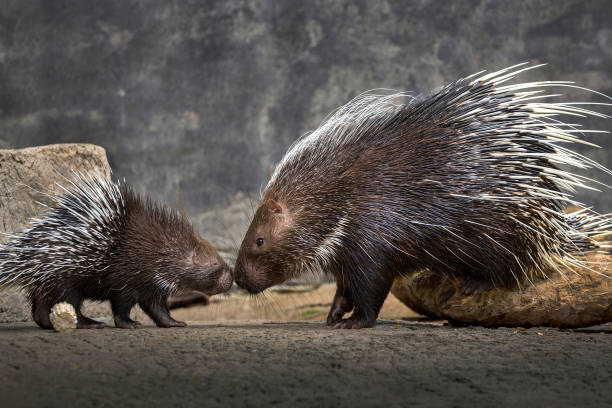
{"type": "Point", "coordinates": [26, 176]}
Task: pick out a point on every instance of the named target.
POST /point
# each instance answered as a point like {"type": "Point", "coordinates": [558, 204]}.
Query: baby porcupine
{"type": "Point", "coordinates": [102, 241]}
{"type": "Point", "coordinates": [469, 181]}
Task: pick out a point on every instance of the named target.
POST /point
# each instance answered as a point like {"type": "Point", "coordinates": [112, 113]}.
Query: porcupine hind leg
{"type": "Point", "coordinates": [157, 310]}
{"type": "Point", "coordinates": [41, 308]}
{"type": "Point", "coordinates": [341, 305]}
{"type": "Point", "coordinates": [40, 313]}
{"type": "Point", "coordinates": [122, 306]}
{"type": "Point", "coordinates": [367, 299]}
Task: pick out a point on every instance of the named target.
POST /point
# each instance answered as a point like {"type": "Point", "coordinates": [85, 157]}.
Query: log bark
{"type": "Point", "coordinates": [570, 299]}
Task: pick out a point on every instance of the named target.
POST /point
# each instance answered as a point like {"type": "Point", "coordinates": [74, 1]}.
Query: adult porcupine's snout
{"type": "Point", "coordinates": [242, 272]}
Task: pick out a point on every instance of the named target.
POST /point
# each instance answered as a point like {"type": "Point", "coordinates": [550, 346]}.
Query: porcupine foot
{"type": "Point", "coordinates": [356, 321]}
{"type": "Point", "coordinates": [341, 305]}
{"type": "Point", "coordinates": [121, 313]}
{"type": "Point", "coordinates": [126, 323]}
{"type": "Point", "coordinates": [158, 312]}
{"type": "Point", "coordinates": [367, 301]}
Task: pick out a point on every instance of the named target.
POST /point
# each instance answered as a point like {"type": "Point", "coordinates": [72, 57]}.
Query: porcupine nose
{"type": "Point", "coordinates": [224, 272]}
{"type": "Point", "coordinates": [240, 275]}
{"type": "Point", "coordinates": [227, 279]}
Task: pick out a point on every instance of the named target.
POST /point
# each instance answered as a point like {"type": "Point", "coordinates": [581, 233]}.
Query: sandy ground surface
{"type": "Point", "coordinates": [219, 362]}
{"type": "Point", "coordinates": [284, 306]}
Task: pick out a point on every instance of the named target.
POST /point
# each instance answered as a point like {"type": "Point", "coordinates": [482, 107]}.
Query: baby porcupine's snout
{"type": "Point", "coordinates": [226, 277]}
{"type": "Point", "coordinates": [213, 275]}
{"type": "Point", "coordinates": [219, 276]}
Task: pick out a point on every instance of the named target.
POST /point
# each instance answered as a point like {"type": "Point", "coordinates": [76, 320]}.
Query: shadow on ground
{"type": "Point", "coordinates": [397, 363]}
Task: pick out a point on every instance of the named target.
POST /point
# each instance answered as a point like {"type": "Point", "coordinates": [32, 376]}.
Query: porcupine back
{"type": "Point", "coordinates": [471, 180]}
{"type": "Point", "coordinates": [96, 231]}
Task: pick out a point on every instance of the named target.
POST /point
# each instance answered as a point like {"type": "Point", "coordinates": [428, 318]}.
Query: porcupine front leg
{"type": "Point", "coordinates": [341, 305]}
{"type": "Point", "coordinates": [157, 310]}
{"type": "Point", "coordinates": [122, 306]}
{"type": "Point", "coordinates": [368, 298]}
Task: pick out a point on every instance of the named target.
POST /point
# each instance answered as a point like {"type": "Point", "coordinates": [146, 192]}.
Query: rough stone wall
{"type": "Point", "coordinates": [206, 96]}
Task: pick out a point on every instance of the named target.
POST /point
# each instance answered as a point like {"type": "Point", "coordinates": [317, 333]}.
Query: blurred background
{"type": "Point", "coordinates": [204, 97]}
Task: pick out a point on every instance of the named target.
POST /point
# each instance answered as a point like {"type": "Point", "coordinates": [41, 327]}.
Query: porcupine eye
{"type": "Point", "coordinates": [260, 242]}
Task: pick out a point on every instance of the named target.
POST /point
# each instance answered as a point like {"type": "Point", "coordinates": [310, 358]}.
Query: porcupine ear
{"type": "Point", "coordinates": [275, 206]}
{"type": "Point", "coordinates": [196, 256]}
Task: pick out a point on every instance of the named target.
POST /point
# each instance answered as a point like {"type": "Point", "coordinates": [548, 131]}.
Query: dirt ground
{"type": "Point", "coordinates": [220, 361]}
{"type": "Point", "coordinates": [312, 305]}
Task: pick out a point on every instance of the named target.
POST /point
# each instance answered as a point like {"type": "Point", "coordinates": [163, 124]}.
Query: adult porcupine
{"type": "Point", "coordinates": [102, 241]}
{"type": "Point", "coordinates": [464, 181]}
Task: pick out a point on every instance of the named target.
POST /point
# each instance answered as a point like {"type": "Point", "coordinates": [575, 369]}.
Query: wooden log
{"type": "Point", "coordinates": [570, 299]}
